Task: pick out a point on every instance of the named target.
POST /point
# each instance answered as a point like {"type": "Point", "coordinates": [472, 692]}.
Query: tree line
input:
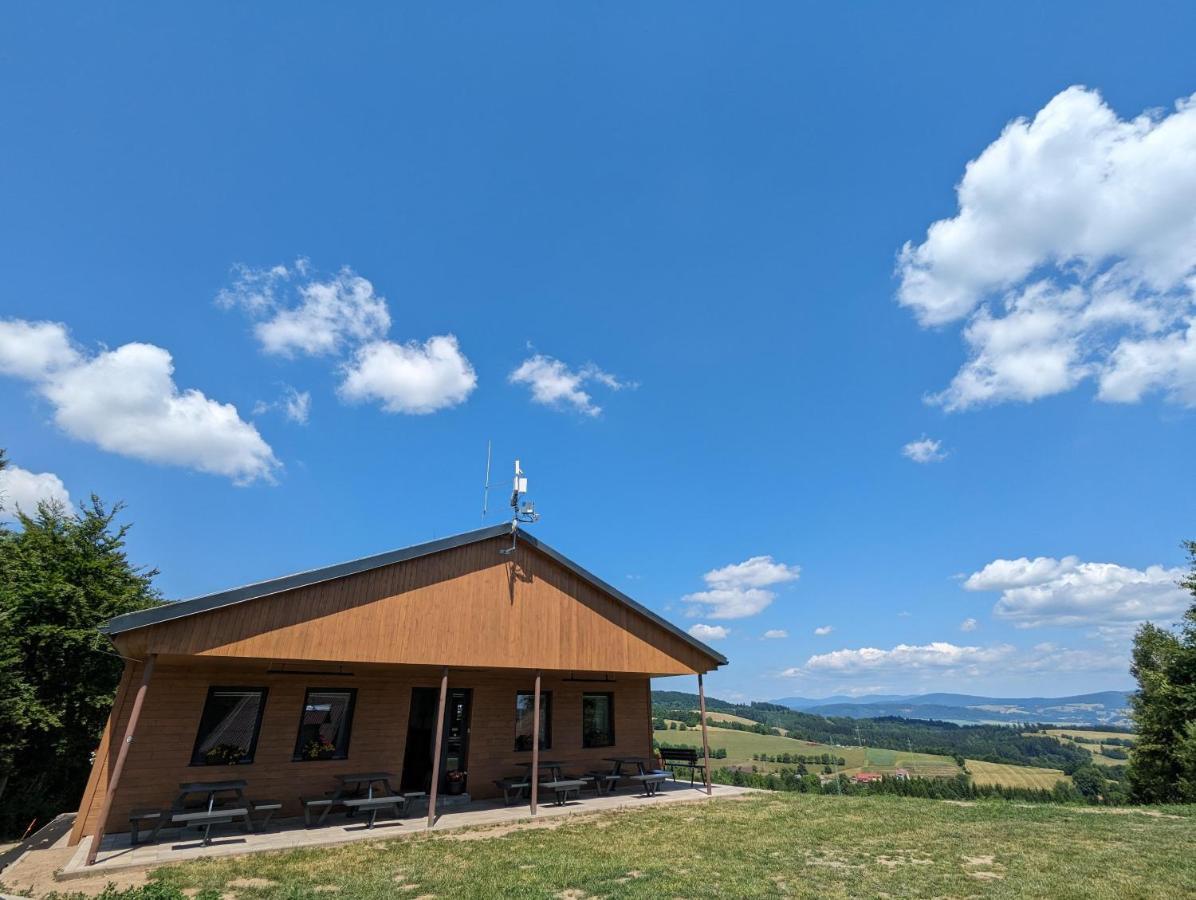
{"type": "Point", "coordinates": [62, 573]}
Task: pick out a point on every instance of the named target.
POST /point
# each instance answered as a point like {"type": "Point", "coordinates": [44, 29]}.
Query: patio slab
{"type": "Point", "coordinates": [116, 854]}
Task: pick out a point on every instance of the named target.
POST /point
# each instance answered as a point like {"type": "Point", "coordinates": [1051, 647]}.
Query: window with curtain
{"type": "Point", "coordinates": [325, 724]}
{"type": "Point", "coordinates": [229, 726]}
{"type": "Point", "coordinates": [597, 720]}
{"type": "Point", "coordinates": [524, 710]}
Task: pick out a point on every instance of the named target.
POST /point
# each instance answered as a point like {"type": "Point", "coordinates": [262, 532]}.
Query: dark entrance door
{"type": "Point", "coordinates": [421, 727]}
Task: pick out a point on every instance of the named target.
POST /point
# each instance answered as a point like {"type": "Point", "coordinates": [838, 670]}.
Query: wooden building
{"type": "Point", "coordinates": [350, 668]}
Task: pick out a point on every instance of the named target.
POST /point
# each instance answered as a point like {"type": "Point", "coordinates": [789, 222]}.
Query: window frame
{"type": "Point", "coordinates": [546, 710]}
{"type": "Point", "coordinates": [251, 754]}
{"type": "Point", "coordinates": [610, 698]}
{"type": "Point", "coordinates": [297, 754]}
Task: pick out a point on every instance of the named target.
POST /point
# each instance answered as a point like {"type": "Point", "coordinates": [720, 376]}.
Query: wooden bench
{"type": "Point", "coordinates": [374, 805]}
{"type": "Point", "coordinates": [269, 807]}
{"type": "Point", "coordinates": [512, 788]}
{"type": "Point", "coordinates": [651, 781]}
{"type": "Point", "coordinates": [156, 817]}
{"type": "Point", "coordinates": [411, 798]}
{"type": "Point", "coordinates": [324, 803]}
{"type": "Point", "coordinates": [674, 758]}
{"type": "Point", "coordinates": [563, 789]}
{"type": "Point", "coordinates": [205, 819]}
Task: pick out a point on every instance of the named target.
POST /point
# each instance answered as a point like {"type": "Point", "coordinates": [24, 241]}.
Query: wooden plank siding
{"type": "Point", "coordinates": [467, 606]}
{"type": "Point", "coordinates": [159, 758]}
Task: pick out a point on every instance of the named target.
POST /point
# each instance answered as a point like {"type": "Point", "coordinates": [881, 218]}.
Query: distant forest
{"type": "Point", "coordinates": [988, 743]}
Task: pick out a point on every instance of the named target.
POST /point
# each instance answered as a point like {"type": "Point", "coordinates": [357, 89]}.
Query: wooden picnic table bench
{"type": "Point", "coordinates": [651, 781]}
{"type": "Point", "coordinates": [563, 788]}
{"type": "Point", "coordinates": [674, 758]}
{"type": "Point", "coordinates": [374, 805]}
{"type": "Point", "coordinates": [513, 788]}
{"type": "Point", "coordinates": [206, 818]}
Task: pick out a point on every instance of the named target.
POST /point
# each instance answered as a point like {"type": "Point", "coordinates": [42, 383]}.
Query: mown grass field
{"type": "Point", "coordinates": [769, 845]}
{"type": "Point", "coordinates": [1014, 776]}
{"type": "Point", "coordinates": [1068, 735]}
{"type": "Point", "coordinates": [740, 745]}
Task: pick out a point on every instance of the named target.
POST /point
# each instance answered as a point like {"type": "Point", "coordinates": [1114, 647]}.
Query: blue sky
{"type": "Point", "coordinates": [683, 227]}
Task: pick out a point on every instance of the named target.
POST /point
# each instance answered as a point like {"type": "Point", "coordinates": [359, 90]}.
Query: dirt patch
{"type": "Point", "coordinates": [630, 876]}
{"type": "Point", "coordinates": [572, 894]}
{"type": "Point", "coordinates": [34, 875]}
{"type": "Point", "coordinates": [978, 860]}
{"type": "Point", "coordinates": [246, 883]}
{"type": "Point", "coordinates": [326, 888]}
{"type": "Point", "coordinates": [987, 876]}
{"type": "Point", "coordinates": [893, 862]}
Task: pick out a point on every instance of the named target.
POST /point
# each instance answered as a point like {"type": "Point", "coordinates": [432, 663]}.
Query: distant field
{"type": "Point", "coordinates": [740, 745]}
{"type": "Point", "coordinates": [1014, 776]}
{"type": "Point", "coordinates": [729, 717]}
{"type": "Point", "coordinates": [1068, 735]}
{"type": "Point", "coordinates": [1091, 735]}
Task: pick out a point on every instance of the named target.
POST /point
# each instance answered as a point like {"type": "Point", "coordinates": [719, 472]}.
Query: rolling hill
{"type": "Point", "coordinates": [1108, 708]}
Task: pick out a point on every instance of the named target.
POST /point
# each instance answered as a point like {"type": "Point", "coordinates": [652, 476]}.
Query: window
{"type": "Point", "coordinates": [327, 720]}
{"type": "Point", "coordinates": [524, 710]}
{"type": "Point", "coordinates": [229, 726]}
{"type": "Point", "coordinates": [597, 720]}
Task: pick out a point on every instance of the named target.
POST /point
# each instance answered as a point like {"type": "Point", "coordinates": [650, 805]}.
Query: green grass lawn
{"type": "Point", "coordinates": [771, 845]}
{"type": "Point", "coordinates": [740, 745]}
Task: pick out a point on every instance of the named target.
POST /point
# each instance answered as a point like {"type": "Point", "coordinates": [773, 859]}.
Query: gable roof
{"type": "Point", "coordinates": [182, 608]}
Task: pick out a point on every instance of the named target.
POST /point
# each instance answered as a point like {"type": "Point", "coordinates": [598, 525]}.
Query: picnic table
{"type": "Point", "coordinates": [368, 792]}
{"type": "Point", "coordinates": [552, 765]}
{"type": "Point", "coordinates": [352, 784]}
{"type": "Point", "coordinates": [212, 809]}
{"type": "Point", "coordinates": [619, 761]}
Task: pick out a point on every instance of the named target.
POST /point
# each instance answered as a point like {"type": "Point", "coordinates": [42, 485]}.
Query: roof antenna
{"type": "Point", "coordinates": [486, 486]}
{"type": "Point", "coordinates": [521, 510]}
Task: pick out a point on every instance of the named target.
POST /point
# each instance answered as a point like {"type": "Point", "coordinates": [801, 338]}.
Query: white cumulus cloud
{"type": "Point", "coordinates": [554, 384]}
{"type": "Point", "coordinates": [409, 378]}
{"type": "Point", "coordinates": [741, 589]}
{"type": "Point", "coordinates": [925, 450]}
{"type": "Point", "coordinates": [23, 490]}
{"type": "Point", "coordinates": [824, 630]}
{"type": "Point", "coordinates": [708, 632]}
{"type": "Point", "coordinates": [297, 312]}
{"type": "Point", "coordinates": [932, 662]}
{"type": "Point", "coordinates": [1048, 591]}
{"type": "Point", "coordinates": [294, 404]}
{"type": "Point", "coordinates": [1072, 257]}
{"type": "Point", "coordinates": [969, 624]}
{"type": "Point", "coordinates": [775, 634]}
{"type": "Point", "coordinates": [125, 401]}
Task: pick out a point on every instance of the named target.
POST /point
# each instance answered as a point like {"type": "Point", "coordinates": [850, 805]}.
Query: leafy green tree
{"type": "Point", "coordinates": [1163, 760]}
{"type": "Point", "coordinates": [61, 575]}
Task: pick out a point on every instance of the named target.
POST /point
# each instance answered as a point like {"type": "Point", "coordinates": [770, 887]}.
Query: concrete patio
{"type": "Point", "coordinates": [286, 834]}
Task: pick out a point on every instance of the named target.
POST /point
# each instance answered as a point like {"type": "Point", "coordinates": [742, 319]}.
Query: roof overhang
{"type": "Point", "coordinates": [182, 608]}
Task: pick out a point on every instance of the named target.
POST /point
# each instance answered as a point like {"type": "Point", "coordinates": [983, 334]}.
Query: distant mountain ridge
{"type": "Point", "coordinates": [1101, 708]}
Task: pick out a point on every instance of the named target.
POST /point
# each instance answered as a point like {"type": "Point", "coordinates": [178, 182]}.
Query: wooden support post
{"type": "Point", "coordinates": [705, 742]}
{"type": "Point", "coordinates": [121, 755]}
{"type": "Point", "coordinates": [436, 752]}
{"type": "Point", "coordinates": [536, 745]}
